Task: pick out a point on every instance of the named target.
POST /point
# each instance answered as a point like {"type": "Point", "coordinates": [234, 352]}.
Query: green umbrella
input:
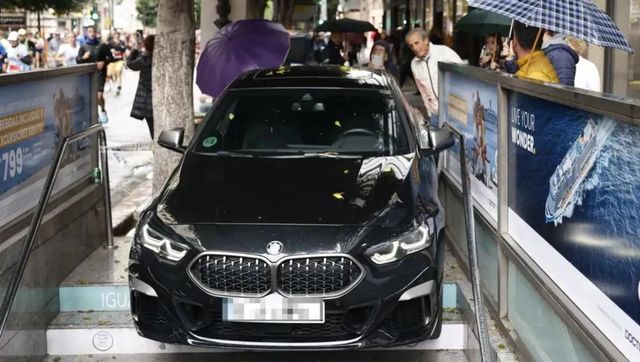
{"type": "Point", "coordinates": [483, 22]}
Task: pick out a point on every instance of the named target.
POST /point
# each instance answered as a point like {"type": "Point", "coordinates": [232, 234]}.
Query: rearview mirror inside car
{"type": "Point", "coordinates": [436, 140]}
{"type": "Point", "coordinates": [172, 139]}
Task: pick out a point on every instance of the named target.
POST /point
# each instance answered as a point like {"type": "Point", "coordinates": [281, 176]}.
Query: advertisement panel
{"type": "Point", "coordinates": [35, 116]}
{"type": "Point", "coordinates": [574, 196]}
{"type": "Point", "coordinates": [471, 106]}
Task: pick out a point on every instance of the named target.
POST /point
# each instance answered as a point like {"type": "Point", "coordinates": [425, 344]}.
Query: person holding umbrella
{"type": "Point", "coordinates": [331, 52]}
{"type": "Point", "coordinates": [530, 60]}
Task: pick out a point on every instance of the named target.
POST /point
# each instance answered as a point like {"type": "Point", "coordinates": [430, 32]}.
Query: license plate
{"type": "Point", "coordinates": [273, 308]}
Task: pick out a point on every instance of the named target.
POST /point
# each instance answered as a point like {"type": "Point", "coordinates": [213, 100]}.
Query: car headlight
{"type": "Point", "coordinates": [162, 246]}
{"type": "Point", "coordinates": [390, 251]}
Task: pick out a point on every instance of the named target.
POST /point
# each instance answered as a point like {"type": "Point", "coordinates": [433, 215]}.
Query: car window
{"type": "Point", "coordinates": [301, 121]}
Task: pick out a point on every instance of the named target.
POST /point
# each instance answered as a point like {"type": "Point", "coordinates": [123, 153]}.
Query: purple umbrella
{"type": "Point", "coordinates": [238, 47]}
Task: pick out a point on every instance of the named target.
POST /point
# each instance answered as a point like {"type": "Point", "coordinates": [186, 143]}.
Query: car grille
{"type": "Point", "coordinates": [300, 277]}
{"type": "Point", "coordinates": [319, 276]}
{"type": "Point", "coordinates": [232, 275]}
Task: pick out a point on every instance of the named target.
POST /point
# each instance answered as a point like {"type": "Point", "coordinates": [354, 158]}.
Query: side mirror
{"type": "Point", "coordinates": [172, 139]}
{"type": "Point", "coordinates": [437, 139]}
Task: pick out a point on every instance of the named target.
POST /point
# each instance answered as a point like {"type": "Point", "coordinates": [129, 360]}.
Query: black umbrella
{"type": "Point", "coordinates": [346, 26]}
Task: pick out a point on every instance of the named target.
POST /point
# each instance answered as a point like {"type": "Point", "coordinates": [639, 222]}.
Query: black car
{"type": "Point", "coordinates": [303, 215]}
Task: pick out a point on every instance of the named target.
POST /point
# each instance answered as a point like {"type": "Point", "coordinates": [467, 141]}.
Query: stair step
{"type": "Point", "coordinates": [354, 356]}
{"type": "Point", "coordinates": [90, 333]}
{"type": "Point", "coordinates": [115, 297]}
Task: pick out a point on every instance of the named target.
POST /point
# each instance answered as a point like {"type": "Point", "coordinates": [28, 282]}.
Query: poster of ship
{"type": "Point", "coordinates": [471, 107]}
{"type": "Point", "coordinates": [574, 169]}
{"type": "Point", "coordinates": [573, 201]}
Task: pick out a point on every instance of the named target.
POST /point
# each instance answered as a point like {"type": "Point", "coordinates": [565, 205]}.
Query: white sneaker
{"type": "Point", "coordinates": [103, 117]}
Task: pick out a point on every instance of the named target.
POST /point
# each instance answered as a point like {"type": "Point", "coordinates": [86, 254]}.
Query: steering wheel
{"type": "Point", "coordinates": [354, 131]}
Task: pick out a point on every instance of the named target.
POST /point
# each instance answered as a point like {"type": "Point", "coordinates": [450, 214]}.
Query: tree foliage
{"type": "Point", "coordinates": [147, 12]}
{"type": "Point", "coordinates": [59, 6]}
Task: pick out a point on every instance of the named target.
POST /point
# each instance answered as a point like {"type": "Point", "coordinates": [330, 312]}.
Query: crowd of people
{"type": "Point", "coordinates": [530, 53]}
{"type": "Point", "coordinates": [22, 51]}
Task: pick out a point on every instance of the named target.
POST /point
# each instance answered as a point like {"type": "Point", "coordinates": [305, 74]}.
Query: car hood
{"type": "Point", "coordinates": [295, 190]}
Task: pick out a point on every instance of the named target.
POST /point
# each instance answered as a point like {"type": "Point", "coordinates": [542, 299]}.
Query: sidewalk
{"type": "Point", "coordinates": [129, 149]}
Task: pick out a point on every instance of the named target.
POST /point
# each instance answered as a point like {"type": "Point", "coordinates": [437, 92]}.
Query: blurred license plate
{"type": "Point", "coordinates": [273, 308]}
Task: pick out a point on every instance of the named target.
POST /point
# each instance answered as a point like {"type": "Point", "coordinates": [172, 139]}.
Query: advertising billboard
{"type": "Point", "coordinates": [35, 116]}
{"type": "Point", "coordinates": [574, 196]}
{"type": "Point", "coordinates": [471, 106]}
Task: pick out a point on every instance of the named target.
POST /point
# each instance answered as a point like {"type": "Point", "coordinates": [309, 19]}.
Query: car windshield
{"type": "Point", "coordinates": [326, 122]}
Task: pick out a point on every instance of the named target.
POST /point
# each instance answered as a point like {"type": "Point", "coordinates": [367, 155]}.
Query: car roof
{"type": "Point", "coordinates": [312, 77]}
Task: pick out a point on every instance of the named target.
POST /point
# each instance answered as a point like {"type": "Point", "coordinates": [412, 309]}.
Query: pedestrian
{"type": "Point", "coordinates": [68, 52]}
{"type": "Point", "coordinates": [18, 58]}
{"type": "Point", "coordinates": [24, 40]}
{"type": "Point", "coordinates": [141, 61]}
{"type": "Point", "coordinates": [114, 69]}
{"type": "Point", "coordinates": [425, 67]}
{"type": "Point", "coordinates": [55, 42]}
{"type": "Point", "coordinates": [587, 74]}
{"type": "Point", "coordinates": [40, 59]}
{"type": "Point", "coordinates": [528, 61]}
{"type": "Point", "coordinates": [3, 56]}
{"type": "Point", "coordinates": [80, 38]}
{"type": "Point", "coordinates": [382, 58]}
{"type": "Point", "coordinates": [561, 56]}
{"type": "Point", "coordinates": [491, 55]}
{"type": "Point", "coordinates": [332, 50]}
{"type": "Point", "coordinates": [95, 52]}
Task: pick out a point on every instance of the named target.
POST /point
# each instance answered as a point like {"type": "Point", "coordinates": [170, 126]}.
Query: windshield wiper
{"type": "Point", "coordinates": [329, 155]}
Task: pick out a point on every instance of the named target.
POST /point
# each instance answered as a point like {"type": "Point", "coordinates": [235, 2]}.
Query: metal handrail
{"type": "Point", "coordinates": [9, 298]}
{"type": "Point", "coordinates": [481, 319]}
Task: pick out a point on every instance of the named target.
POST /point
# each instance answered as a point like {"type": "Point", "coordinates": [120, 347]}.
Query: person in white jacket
{"type": "Point", "coordinates": [425, 66]}
{"type": "Point", "coordinates": [587, 74]}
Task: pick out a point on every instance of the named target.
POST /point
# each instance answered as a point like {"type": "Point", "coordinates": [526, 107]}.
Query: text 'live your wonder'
{"type": "Point", "coordinates": [523, 125]}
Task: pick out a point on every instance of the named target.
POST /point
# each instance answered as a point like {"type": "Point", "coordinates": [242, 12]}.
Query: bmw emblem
{"type": "Point", "coordinates": [275, 247]}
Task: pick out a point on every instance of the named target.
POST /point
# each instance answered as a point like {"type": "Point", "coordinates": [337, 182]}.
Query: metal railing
{"type": "Point", "coordinates": [36, 220]}
{"type": "Point", "coordinates": [474, 268]}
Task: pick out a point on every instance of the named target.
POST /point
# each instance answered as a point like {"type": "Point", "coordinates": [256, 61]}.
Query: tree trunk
{"type": "Point", "coordinates": [172, 74]}
{"type": "Point", "coordinates": [39, 27]}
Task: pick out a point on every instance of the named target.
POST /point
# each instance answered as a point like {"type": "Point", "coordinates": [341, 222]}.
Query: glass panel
{"type": "Point", "coordinates": [633, 88]}
{"type": "Point", "coordinates": [488, 260]}
{"type": "Point", "coordinates": [455, 221]}
{"type": "Point", "coordinates": [487, 250]}
{"type": "Point", "coordinates": [544, 334]}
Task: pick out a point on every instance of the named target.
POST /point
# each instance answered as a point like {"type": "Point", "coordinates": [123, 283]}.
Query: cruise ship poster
{"type": "Point", "coordinates": [471, 107]}
{"type": "Point", "coordinates": [574, 196]}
